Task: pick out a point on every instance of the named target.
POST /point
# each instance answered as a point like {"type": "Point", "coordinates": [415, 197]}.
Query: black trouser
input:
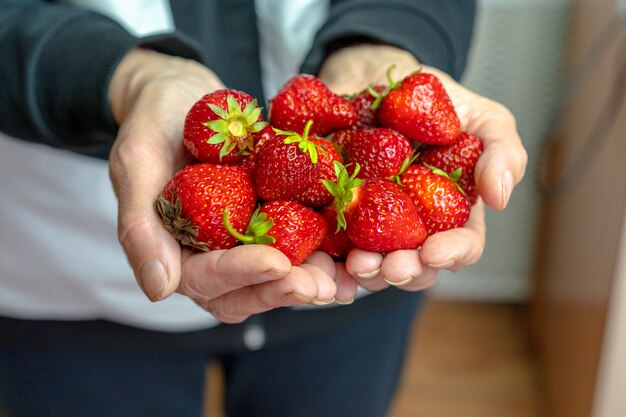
{"type": "Point", "coordinates": [321, 363]}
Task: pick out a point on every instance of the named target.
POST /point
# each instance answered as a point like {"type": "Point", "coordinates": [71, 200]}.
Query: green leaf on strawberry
{"type": "Point", "coordinates": [304, 144]}
{"type": "Point", "coordinates": [342, 190]}
{"type": "Point", "coordinates": [256, 233]}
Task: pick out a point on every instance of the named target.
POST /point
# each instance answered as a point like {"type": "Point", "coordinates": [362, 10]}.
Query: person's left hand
{"type": "Point", "coordinates": [499, 169]}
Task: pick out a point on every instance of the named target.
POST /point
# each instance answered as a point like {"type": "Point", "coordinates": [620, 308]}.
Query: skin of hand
{"type": "Point", "coordinates": [150, 94]}
{"type": "Point", "coordinates": [500, 168]}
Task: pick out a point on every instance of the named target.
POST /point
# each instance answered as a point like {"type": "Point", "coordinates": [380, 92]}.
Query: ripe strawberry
{"type": "Point", "coordinates": [286, 165]}
{"type": "Point", "coordinates": [380, 152]}
{"type": "Point", "coordinates": [439, 201]}
{"type": "Point", "coordinates": [192, 203]}
{"type": "Point", "coordinates": [286, 225]}
{"type": "Point", "coordinates": [419, 107]}
{"type": "Point", "coordinates": [305, 97]}
{"type": "Point", "coordinates": [222, 126]}
{"type": "Point", "coordinates": [461, 155]}
{"type": "Point", "coordinates": [336, 244]}
{"type": "Point", "coordinates": [376, 213]}
{"type": "Point", "coordinates": [367, 116]}
{"type": "Point", "coordinates": [316, 194]}
{"type": "Point", "coordinates": [262, 137]}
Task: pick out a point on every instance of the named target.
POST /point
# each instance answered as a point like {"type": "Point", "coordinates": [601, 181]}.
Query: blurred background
{"type": "Point", "coordinates": [538, 327]}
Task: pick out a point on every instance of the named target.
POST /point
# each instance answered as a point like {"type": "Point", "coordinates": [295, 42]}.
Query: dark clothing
{"type": "Point", "coordinates": [57, 60]}
{"type": "Point", "coordinates": [311, 365]}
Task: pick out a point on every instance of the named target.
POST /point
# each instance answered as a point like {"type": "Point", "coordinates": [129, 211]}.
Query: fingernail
{"type": "Point", "coordinates": [507, 187]}
{"type": "Point", "coordinates": [368, 275]}
{"type": "Point", "coordinates": [323, 302]}
{"type": "Point", "coordinates": [345, 303]}
{"type": "Point", "coordinates": [399, 283]}
{"type": "Point", "coordinates": [442, 264]}
{"type": "Point", "coordinates": [153, 279]}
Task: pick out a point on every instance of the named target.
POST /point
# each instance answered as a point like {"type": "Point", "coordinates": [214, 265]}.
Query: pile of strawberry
{"type": "Point", "coordinates": [381, 170]}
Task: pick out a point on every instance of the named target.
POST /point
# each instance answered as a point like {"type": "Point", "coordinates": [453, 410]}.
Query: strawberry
{"type": "Point", "coordinates": [380, 152]}
{"type": "Point", "coordinates": [192, 203]}
{"type": "Point", "coordinates": [316, 194]}
{"type": "Point", "coordinates": [222, 126]}
{"type": "Point", "coordinates": [262, 137]}
{"type": "Point", "coordinates": [286, 225]}
{"type": "Point", "coordinates": [461, 155]}
{"type": "Point", "coordinates": [286, 165]}
{"type": "Point", "coordinates": [305, 97]}
{"type": "Point", "coordinates": [366, 115]}
{"type": "Point", "coordinates": [419, 107]}
{"type": "Point", "coordinates": [336, 244]}
{"type": "Point", "coordinates": [376, 213]}
{"type": "Point", "coordinates": [440, 202]}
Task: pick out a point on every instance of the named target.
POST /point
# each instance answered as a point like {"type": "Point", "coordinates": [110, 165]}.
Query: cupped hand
{"type": "Point", "coordinates": [150, 94]}
{"type": "Point", "coordinates": [500, 168]}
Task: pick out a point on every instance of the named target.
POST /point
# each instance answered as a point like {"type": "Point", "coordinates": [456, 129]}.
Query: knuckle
{"type": "Point", "coordinates": [224, 315]}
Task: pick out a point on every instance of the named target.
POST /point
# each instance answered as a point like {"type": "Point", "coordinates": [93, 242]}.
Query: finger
{"type": "Point", "coordinates": [323, 261]}
{"type": "Point", "coordinates": [426, 279]}
{"type": "Point", "coordinates": [326, 287]}
{"type": "Point", "coordinates": [363, 264]}
{"type": "Point", "coordinates": [347, 286]}
{"type": "Point", "coordinates": [502, 164]}
{"type": "Point", "coordinates": [401, 267]}
{"type": "Point", "coordinates": [457, 248]}
{"type": "Point", "coordinates": [152, 252]}
{"type": "Point", "coordinates": [374, 284]}
{"type": "Point", "coordinates": [296, 288]}
{"type": "Point", "coordinates": [209, 275]}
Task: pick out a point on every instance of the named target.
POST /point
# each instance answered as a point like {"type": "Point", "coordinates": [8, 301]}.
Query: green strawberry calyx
{"type": "Point", "coordinates": [454, 176]}
{"type": "Point", "coordinates": [257, 229]}
{"type": "Point", "coordinates": [304, 144]}
{"type": "Point", "coordinates": [343, 190]}
{"type": "Point", "coordinates": [180, 227]}
{"type": "Point", "coordinates": [391, 85]}
{"type": "Point", "coordinates": [405, 165]}
{"type": "Point", "coordinates": [235, 127]}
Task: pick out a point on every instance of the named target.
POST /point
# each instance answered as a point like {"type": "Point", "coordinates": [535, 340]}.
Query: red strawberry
{"type": "Point", "coordinates": [222, 127]}
{"type": "Point", "coordinates": [293, 229]}
{"type": "Point", "coordinates": [286, 165]}
{"type": "Point", "coordinates": [193, 201]}
{"type": "Point", "coordinates": [305, 97]}
{"type": "Point", "coordinates": [376, 213]}
{"type": "Point", "coordinates": [366, 115]}
{"type": "Point", "coordinates": [336, 244]}
{"type": "Point", "coordinates": [461, 155]}
{"type": "Point", "coordinates": [440, 203]}
{"type": "Point", "coordinates": [316, 194]}
{"type": "Point", "coordinates": [380, 152]}
{"type": "Point", "coordinates": [419, 107]}
{"type": "Point", "coordinates": [262, 137]}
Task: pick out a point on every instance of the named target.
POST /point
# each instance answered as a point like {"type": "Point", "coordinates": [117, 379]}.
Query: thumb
{"type": "Point", "coordinates": [138, 172]}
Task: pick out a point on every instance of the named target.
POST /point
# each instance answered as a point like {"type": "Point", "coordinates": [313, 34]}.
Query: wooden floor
{"type": "Point", "coordinates": [466, 360]}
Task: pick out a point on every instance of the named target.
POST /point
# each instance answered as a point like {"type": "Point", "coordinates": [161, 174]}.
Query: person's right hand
{"type": "Point", "coordinates": [150, 94]}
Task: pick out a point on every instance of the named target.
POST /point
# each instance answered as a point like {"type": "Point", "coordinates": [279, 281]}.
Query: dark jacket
{"type": "Point", "coordinates": [56, 61]}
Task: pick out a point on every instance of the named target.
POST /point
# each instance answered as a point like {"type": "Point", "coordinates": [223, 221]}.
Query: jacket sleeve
{"type": "Point", "coordinates": [437, 32]}
{"type": "Point", "coordinates": [57, 62]}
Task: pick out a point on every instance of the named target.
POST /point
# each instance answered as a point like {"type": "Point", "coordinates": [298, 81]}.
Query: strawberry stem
{"type": "Point", "coordinates": [234, 127]}
{"type": "Point", "coordinates": [305, 146]}
{"type": "Point", "coordinates": [257, 229]}
{"type": "Point", "coordinates": [343, 190]}
{"type": "Point", "coordinates": [454, 176]}
{"type": "Point", "coordinates": [243, 238]}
